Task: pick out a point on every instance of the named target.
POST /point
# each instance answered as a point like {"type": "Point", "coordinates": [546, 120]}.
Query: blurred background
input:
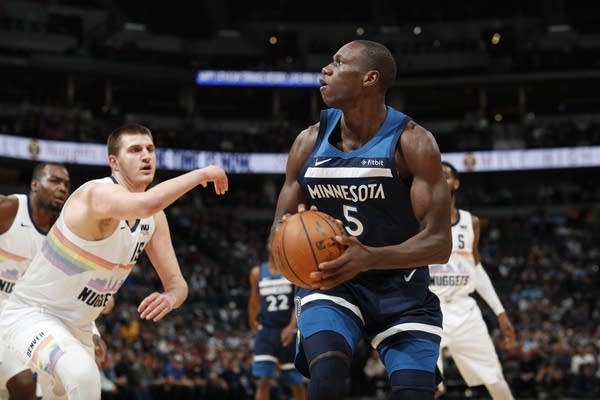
{"type": "Point", "coordinates": [509, 90]}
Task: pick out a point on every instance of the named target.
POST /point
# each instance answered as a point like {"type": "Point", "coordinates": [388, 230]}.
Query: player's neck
{"type": "Point", "coordinates": [128, 184]}
{"type": "Point", "coordinates": [43, 217]}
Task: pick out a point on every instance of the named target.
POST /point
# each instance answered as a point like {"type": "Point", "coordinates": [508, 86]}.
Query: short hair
{"type": "Point", "coordinates": [113, 143]}
{"type": "Point", "coordinates": [452, 168]}
{"type": "Point", "coordinates": [39, 170]}
{"type": "Point", "coordinates": [381, 59]}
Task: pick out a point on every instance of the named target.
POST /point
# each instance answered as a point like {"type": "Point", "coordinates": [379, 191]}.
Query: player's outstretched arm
{"type": "Point", "coordinates": [116, 202]}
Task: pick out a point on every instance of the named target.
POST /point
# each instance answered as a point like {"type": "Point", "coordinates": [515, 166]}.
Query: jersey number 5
{"type": "Point", "coordinates": [356, 227]}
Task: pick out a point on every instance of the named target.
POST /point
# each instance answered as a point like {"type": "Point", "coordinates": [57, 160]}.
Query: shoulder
{"type": "Point", "coordinates": [415, 135]}
{"type": "Point", "coordinates": [254, 275]}
{"type": "Point", "coordinates": [307, 138]}
{"type": "Point", "coordinates": [9, 206]}
{"type": "Point", "coordinates": [475, 221]}
{"type": "Point", "coordinates": [417, 152]}
{"type": "Point", "coordinates": [302, 148]}
{"type": "Point", "coordinates": [9, 200]}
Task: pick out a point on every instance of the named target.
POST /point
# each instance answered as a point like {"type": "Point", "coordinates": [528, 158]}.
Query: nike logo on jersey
{"type": "Point", "coordinates": [408, 277]}
{"type": "Point", "coordinates": [463, 226]}
{"type": "Point", "coordinates": [25, 225]}
{"type": "Point", "coordinates": [317, 162]}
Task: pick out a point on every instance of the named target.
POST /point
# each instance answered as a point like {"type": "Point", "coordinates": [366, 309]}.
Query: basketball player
{"type": "Point", "coordinates": [24, 222]}
{"type": "Point", "coordinates": [380, 174]}
{"type": "Point", "coordinates": [87, 255]}
{"type": "Point", "coordinates": [465, 333]}
{"type": "Point", "coordinates": [272, 318]}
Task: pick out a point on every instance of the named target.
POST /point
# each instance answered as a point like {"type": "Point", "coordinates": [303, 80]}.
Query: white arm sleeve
{"type": "Point", "coordinates": [95, 331]}
{"type": "Point", "coordinates": [486, 290]}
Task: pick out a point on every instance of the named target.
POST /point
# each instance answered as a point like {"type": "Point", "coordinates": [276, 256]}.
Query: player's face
{"type": "Point", "coordinates": [53, 188]}
{"type": "Point", "coordinates": [451, 180]}
{"type": "Point", "coordinates": [136, 161]}
{"type": "Point", "coordinates": [342, 79]}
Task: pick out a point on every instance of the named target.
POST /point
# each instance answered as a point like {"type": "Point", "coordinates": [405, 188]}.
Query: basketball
{"type": "Point", "coordinates": [303, 241]}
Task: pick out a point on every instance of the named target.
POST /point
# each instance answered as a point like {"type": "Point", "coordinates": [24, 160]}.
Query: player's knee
{"type": "Point", "coordinates": [21, 386]}
{"type": "Point", "coordinates": [80, 379]}
{"type": "Point", "coordinates": [264, 383]}
{"type": "Point", "coordinates": [329, 378]}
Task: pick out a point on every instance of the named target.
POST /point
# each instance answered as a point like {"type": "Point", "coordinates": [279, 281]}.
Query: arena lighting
{"type": "Point", "coordinates": [257, 78]}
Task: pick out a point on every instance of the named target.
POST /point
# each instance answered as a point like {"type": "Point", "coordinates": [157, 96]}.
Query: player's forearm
{"type": "Point", "coordinates": [252, 315]}
{"type": "Point", "coordinates": [420, 250]}
{"type": "Point", "coordinates": [486, 290]}
{"type": "Point", "coordinates": [166, 193]}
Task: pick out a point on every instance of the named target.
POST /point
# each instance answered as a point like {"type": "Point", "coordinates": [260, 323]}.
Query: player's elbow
{"type": "Point", "coordinates": [149, 206]}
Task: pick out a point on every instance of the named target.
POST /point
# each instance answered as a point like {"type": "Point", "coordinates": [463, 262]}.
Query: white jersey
{"type": "Point", "coordinates": [18, 245]}
{"type": "Point", "coordinates": [454, 281]}
{"type": "Point", "coordinates": [73, 278]}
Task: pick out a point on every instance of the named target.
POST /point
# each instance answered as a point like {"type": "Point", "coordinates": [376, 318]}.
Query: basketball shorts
{"type": "Point", "coordinates": [269, 355]}
{"type": "Point", "coordinates": [469, 343]}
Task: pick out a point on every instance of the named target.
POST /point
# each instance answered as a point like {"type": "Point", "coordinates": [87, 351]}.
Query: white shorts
{"type": "Point", "coordinates": [468, 341]}
{"type": "Point", "coordinates": [39, 340]}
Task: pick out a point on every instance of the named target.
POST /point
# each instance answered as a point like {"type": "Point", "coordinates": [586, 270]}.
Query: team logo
{"type": "Point", "coordinates": [317, 162]}
{"type": "Point", "coordinates": [298, 305]}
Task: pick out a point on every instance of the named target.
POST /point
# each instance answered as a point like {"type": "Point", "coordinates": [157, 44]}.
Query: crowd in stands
{"type": "Point", "coordinates": [470, 133]}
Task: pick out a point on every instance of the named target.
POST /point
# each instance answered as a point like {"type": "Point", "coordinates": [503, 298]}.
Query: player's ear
{"type": "Point", "coordinates": [112, 162]}
{"type": "Point", "coordinates": [371, 78]}
{"type": "Point", "coordinates": [34, 185]}
{"type": "Point", "coordinates": [456, 184]}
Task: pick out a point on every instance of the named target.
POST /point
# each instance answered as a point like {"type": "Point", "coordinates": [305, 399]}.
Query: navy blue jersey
{"type": "Point", "coordinates": [393, 309]}
{"type": "Point", "coordinates": [362, 188]}
{"type": "Point", "coordinates": [276, 298]}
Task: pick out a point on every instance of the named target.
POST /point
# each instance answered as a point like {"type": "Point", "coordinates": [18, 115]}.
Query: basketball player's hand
{"type": "Point", "coordinates": [99, 349]}
{"type": "Point", "coordinates": [217, 175]}
{"type": "Point", "coordinates": [507, 329]}
{"type": "Point", "coordinates": [288, 334]}
{"type": "Point", "coordinates": [301, 208]}
{"type": "Point", "coordinates": [156, 306]}
{"type": "Point", "coordinates": [355, 259]}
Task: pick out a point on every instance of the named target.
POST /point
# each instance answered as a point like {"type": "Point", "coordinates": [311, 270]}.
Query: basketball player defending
{"type": "Point", "coordinates": [272, 318]}
{"type": "Point", "coordinates": [87, 255]}
{"type": "Point", "coordinates": [24, 222]}
{"type": "Point", "coordinates": [378, 172]}
{"type": "Point", "coordinates": [465, 333]}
